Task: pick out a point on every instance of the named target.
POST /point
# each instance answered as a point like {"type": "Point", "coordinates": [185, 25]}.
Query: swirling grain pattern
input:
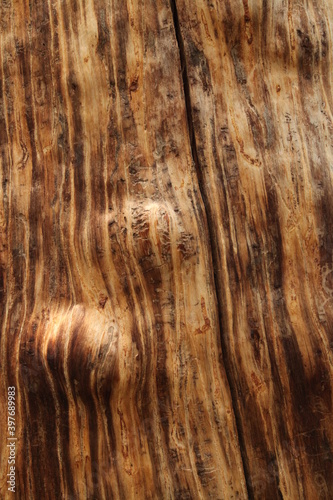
{"type": "Point", "coordinates": [110, 327]}
{"type": "Point", "coordinates": [166, 253]}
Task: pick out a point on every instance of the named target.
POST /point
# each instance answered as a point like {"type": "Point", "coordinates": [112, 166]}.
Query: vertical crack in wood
{"type": "Point", "coordinates": [212, 248]}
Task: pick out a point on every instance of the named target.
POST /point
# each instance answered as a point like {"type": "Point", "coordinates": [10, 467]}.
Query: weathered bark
{"type": "Point", "coordinates": [166, 248]}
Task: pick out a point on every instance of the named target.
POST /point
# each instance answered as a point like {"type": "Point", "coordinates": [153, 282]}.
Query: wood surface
{"type": "Point", "coordinates": [166, 248]}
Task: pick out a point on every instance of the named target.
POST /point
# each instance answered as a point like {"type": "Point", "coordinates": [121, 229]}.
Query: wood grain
{"type": "Point", "coordinates": [166, 253]}
{"type": "Point", "coordinates": [260, 83]}
{"type": "Point", "coordinates": [110, 326]}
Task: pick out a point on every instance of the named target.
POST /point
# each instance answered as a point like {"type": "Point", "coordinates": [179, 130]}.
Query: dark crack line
{"type": "Point", "coordinates": [186, 86]}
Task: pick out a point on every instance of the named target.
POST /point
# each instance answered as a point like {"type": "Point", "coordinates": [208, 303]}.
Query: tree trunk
{"type": "Point", "coordinates": [166, 249]}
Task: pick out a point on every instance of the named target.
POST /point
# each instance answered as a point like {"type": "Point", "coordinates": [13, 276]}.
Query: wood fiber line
{"type": "Point", "coordinates": [260, 81]}
{"type": "Point", "coordinates": [109, 317]}
{"type": "Point", "coordinates": [203, 191]}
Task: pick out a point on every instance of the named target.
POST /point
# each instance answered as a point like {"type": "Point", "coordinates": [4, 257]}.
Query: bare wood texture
{"type": "Point", "coordinates": [166, 177]}
{"type": "Point", "coordinates": [110, 327]}
{"type": "Point", "coordinates": [260, 83]}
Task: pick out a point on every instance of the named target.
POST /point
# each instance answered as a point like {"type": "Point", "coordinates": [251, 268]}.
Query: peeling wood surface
{"type": "Point", "coordinates": [166, 265]}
